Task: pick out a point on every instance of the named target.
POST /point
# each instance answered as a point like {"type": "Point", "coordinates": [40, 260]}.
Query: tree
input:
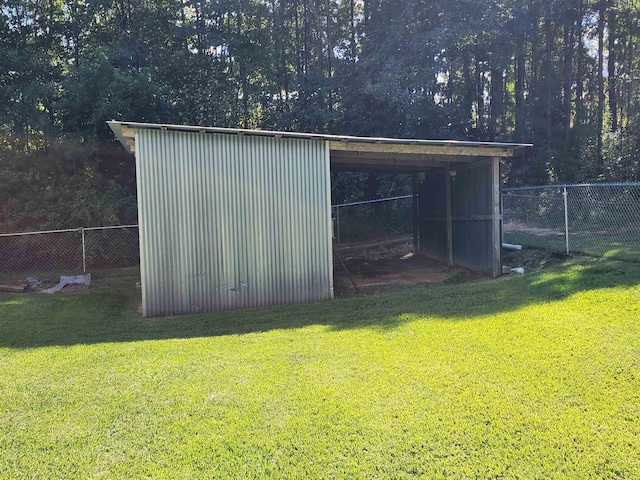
{"type": "Point", "coordinates": [562, 74]}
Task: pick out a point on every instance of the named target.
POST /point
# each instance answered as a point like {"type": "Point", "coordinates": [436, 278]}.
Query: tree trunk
{"type": "Point", "coordinates": [495, 102]}
{"type": "Point", "coordinates": [549, 86]}
{"type": "Point", "coordinates": [305, 22]}
{"type": "Point", "coordinates": [469, 88]}
{"type": "Point", "coordinates": [611, 67]}
{"type": "Point", "coordinates": [352, 29]}
{"type": "Point", "coordinates": [580, 68]}
{"type": "Point", "coordinates": [519, 91]}
{"type": "Point", "coordinates": [568, 37]}
{"type": "Point", "coordinates": [329, 43]}
{"type": "Point", "coordinates": [243, 75]}
{"type": "Point", "coordinates": [601, 99]}
{"type": "Point", "coordinates": [296, 7]}
{"type": "Point", "coordinates": [329, 56]}
{"type": "Point", "coordinates": [479, 75]}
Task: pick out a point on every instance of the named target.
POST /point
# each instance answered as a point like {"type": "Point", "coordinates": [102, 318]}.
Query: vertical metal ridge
{"type": "Point", "coordinates": [229, 221]}
{"type": "Point", "coordinates": [473, 196]}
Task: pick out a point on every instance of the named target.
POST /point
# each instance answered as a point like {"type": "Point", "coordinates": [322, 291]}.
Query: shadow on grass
{"type": "Point", "coordinates": [108, 313]}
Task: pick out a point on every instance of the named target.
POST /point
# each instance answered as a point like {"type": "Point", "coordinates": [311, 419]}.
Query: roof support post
{"type": "Point", "coordinates": [497, 218]}
{"type": "Point", "coordinates": [414, 211]}
{"type": "Point", "coordinates": [447, 190]}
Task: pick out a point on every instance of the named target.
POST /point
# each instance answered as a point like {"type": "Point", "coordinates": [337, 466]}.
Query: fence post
{"type": "Point", "coordinates": [501, 217]}
{"type": "Point", "coordinates": [566, 218]}
{"type": "Point", "coordinates": [337, 225]}
{"type": "Point", "coordinates": [84, 252]}
{"type": "Point", "coordinates": [415, 214]}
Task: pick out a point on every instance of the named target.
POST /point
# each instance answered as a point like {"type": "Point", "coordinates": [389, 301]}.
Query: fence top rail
{"type": "Point", "coordinates": [38, 232]}
{"type": "Point", "coordinates": [371, 201]}
{"type": "Point", "coordinates": [111, 227]}
{"type": "Point", "coordinates": [572, 185]}
{"type": "Point", "coordinates": [66, 230]}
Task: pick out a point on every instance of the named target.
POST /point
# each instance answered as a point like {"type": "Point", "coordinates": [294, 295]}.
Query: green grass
{"type": "Point", "coordinates": [615, 246]}
{"type": "Point", "coordinates": [531, 376]}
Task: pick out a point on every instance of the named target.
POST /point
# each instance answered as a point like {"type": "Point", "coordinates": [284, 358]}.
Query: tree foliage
{"type": "Point", "coordinates": [561, 74]}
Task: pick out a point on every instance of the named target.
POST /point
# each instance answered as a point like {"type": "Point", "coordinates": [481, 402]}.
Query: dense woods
{"type": "Point", "coordinates": [562, 74]}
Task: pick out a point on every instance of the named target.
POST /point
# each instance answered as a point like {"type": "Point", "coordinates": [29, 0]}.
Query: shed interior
{"type": "Point", "coordinates": [456, 195]}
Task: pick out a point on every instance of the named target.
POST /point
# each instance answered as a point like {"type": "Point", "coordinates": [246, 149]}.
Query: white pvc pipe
{"type": "Point", "coordinates": [511, 246]}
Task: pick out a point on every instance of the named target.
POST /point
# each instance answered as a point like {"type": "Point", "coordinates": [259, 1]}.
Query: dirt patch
{"type": "Point", "coordinates": [383, 266]}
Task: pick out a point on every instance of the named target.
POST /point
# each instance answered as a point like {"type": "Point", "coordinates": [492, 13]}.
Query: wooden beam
{"type": "Point", "coordinates": [383, 169]}
{"type": "Point", "coordinates": [448, 209]}
{"type": "Point", "coordinates": [460, 218]}
{"type": "Point", "coordinates": [414, 157]}
{"type": "Point", "coordinates": [472, 218]}
{"type": "Point", "coordinates": [13, 288]}
{"type": "Point", "coordinates": [128, 132]}
{"type": "Point", "coordinates": [128, 137]}
{"type": "Point", "coordinates": [377, 162]}
{"type": "Point", "coordinates": [377, 169]}
{"type": "Point", "coordinates": [480, 151]}
{"type": "Point", "coordinates": [495, 198]}
{"type": "Point", "coordinates": [467, 166]}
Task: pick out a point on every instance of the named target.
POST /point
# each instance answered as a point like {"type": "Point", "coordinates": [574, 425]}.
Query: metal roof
{"type": "Point", "coordinates": [354, 153]}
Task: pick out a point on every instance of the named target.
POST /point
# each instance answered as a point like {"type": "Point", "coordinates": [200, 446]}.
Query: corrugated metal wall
{"type": "Point", "coordinates": [472, 218]}
{"type": "Point", "coordinates": [229, 221]}
{"type": "Point", "coordinates": [432, 207]}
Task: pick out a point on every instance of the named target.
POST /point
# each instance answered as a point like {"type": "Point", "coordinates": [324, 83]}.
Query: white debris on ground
{"type": "Point", "coordinates": [75, 280]}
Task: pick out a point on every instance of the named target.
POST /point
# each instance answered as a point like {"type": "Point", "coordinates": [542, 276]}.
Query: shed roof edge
{"type": "Point", "coordinates": [117, 127]}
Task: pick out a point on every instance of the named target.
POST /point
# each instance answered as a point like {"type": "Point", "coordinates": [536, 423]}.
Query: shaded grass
{"type": "Point", "coordinates": [535, 376]}
{"type": "Point", "coordinates": [615, 246]}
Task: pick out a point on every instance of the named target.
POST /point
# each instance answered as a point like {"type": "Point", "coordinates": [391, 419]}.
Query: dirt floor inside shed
{"type": "Point", "coordinates": [380, 267]}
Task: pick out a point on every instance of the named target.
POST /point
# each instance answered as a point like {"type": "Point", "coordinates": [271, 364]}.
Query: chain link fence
{"type": "Point", "coordinates": [49, 254]}
{"type": "Point", "coordinates": [595, 219]}
{"type": "Point", "coordinates": [373, 221]}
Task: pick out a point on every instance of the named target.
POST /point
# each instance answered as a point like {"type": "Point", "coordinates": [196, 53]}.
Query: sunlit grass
{"type": "Point", "coordinates": [617, 247]}
{"type": "Point", "coordinates": [534, 376]}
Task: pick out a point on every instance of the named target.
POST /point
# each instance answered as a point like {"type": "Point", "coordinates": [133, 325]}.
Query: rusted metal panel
{"type": "Point", "coordinates": [232, 221]}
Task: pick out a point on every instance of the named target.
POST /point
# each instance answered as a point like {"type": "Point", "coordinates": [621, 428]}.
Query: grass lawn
{"type": "Point", "coordinates": [615, 245]}
{"type": "Point", "coordinates": [532, 376]}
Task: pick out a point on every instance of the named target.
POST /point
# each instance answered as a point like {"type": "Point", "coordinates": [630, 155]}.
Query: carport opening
{"type": "Point", "coordinates": [375, 241]}
{"type": "Point", "coordinates": [452, 215]}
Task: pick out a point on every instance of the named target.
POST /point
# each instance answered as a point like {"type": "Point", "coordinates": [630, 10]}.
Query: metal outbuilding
{"type": "Point", "coordinates": [234, 218]}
